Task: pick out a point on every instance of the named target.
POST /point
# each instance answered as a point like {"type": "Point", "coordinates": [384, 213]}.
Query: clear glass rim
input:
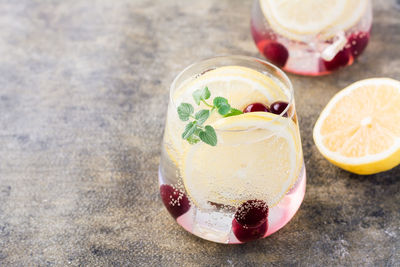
{"type": "Point", "coordinates": [285, 79]}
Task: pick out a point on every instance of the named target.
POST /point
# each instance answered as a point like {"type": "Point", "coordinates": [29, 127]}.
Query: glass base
{"type": "Point", "coordinates": [298, 58]}
{"type": "Point", "coordinates": [216, 224]}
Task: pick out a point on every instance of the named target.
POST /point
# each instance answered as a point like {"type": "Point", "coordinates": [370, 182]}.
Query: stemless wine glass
{"type": "Point", "coordinates": [311, 37]}
{"type": "Point", "coordinates": [232, 167]}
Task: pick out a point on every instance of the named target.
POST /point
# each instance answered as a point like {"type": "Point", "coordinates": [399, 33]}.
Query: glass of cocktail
{"type": "Point", "coordinates": [311, 37]}
{"type": "Point", "coordinates": [231, 167]}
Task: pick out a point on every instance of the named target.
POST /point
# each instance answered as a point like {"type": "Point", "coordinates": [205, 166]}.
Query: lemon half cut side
{"type": "Point", "coordinates": [359, 128]}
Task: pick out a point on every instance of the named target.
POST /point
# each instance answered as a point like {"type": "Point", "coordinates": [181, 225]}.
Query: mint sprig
{"type": "Point", "coordinates": [195, 131]}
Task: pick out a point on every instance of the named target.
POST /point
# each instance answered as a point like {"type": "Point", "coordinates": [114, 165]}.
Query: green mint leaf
{"type": "Point", "coordinates": [219, 101]}
{"type": "Point", "coordinates": [184, 111]}
{"type": "Point", "coordinates": [206, 93]}
{"type": "Point", "coordinates": [189, 130]}
{"type": "Point", "coordinates": [202, 115]}
{"type": "Point", "coordinates": [201, 94]}
{"type": "Point", "coordinates": [197, 96]}
{"type": "Point", "coordinates": [208, 136]}
{"type": "Point", "coordinates": [193, 140]}
{"type": "Point", "coordinates": [233, 112]}
{"type": "Point", "coordinates": [224, 109]}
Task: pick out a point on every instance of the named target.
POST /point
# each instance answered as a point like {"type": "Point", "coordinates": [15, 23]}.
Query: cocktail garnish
{"type": "Point", "coordinates": [194, 130]}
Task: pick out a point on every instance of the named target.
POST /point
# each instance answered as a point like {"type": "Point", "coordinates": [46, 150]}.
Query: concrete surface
{"type": "Point", "coordinates": [83, 94]}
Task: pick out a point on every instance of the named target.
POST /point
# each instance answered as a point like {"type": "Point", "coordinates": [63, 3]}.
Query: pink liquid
{"type": "Point", "coordinates": [217, 225]}
{"type": "Point", "coordinates": [305, 58]}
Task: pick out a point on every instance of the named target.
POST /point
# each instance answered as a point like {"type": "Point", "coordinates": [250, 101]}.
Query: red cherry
{"type": "Point", "coordinates": [276, 53]}
{"type": "Point", "coordinates": [174, 200]}
{"type": "Point", "coordinates": [252, 213]}
{"type": "Point", "coordinates": [278, 107]}
{"type": "Point", "coordinates": [256, 107]}
{"type": "Point", "coordinates": [358, 42]}
{"type": "Point", "coordinates": [246, 234]}
{"type": "Point", "coordinates": [340, 60]}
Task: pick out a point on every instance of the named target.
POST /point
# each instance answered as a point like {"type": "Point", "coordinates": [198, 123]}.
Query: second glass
{"type": "Point", "coordinates": [311, 37]}
{"type": "Point", "coordinates": [232, 168]}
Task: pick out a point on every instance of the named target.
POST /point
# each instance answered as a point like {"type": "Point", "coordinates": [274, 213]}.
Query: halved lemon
{"type": "Point", "coordinates": [240, 85]}
{"type": "Point", "coordinates": [257, 157]}
{"type": "Point", "coordinates": [304, 19]}
{"type": "Point", "coordinates": [359, 129]}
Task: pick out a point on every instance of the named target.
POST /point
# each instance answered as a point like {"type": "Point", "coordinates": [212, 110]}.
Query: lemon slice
{"type": "Point", "coordinates": [305, 16]}
{"type": "Point", "coordinates": [256, 158]}
{"type": "Point", "coordinates": [359, 129]}
{"type": "Point", "coordinates": [353, 12]}
{"type": "Point", "coordinates": [302, 20]}
{"type": "Point", "coordinates": [240, 85]}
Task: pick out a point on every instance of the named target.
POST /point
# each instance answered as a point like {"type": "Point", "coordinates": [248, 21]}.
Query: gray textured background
{"type": "Point", "coordinates": [83, 94]}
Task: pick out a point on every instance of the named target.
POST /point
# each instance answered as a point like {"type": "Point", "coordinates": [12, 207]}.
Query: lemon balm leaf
{"type": "Point", "coordinates": [184, 111]}
{"type": "Point", "coordinates": [197, 96]}
{"type": "Point", "coordinates": [201, 95]}
{"type": "Point", "coordinates": [208, 136]}
{"type": "Point", "coordinates": [224, 109]}
{"type": "Point", "coordinates": [189, 130]}
{"type": "Point", "coordinates": [233, 112]}
{"type": "Point", "coordinates": [206, 93]}
{"type": "Point", "coordinates": [219, 101]}
{"type": "Point", "coordinates": [201, 116]}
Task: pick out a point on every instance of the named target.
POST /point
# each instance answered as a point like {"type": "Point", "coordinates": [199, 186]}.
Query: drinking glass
{"type": "Point", "coordinates": [332, 36]}
{"type": "Point", "coordinates": [231, 167]}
